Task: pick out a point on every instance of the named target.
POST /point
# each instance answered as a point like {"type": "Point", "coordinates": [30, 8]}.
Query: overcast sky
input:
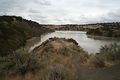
{"type": "Point", "coordinates": [63, 11]}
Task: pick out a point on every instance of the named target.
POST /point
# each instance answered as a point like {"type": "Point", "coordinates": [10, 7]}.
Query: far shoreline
{"type": "Point", "coordinates": [96, 37]}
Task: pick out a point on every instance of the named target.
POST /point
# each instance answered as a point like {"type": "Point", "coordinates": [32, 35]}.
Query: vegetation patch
{"type": "Point", "coordinates": [20, 62]}
{"type": "Point", "coordinates": [108, 30]}
{"type": "Point", "coordinates": [14, 32]}
{"type": "Point", "coordinates": [109, 55]}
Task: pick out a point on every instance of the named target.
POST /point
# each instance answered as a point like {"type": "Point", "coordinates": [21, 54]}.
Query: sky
{"type": "Point", "coordinates": [63, 11]}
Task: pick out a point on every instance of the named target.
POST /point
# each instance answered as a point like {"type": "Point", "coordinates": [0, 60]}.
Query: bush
{"type": "Point", "coordinates": [19, 62]}
{"type": "Point", "coordinates": [72, 40]}
{"type": "Point", "coordinates": [64, 51]}
{"type": "Point", "coordinates": [108, 54]}
{"type": "Point", "coordinates": [83, 57]}
{"type": "Point", "coordinates": [111, 52]}
{"type": "Point", "coordinates": [56, 72]}
{"type": "Point", "coordinates": [97, 61]}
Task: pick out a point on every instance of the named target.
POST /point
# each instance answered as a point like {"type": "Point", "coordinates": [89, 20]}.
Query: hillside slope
{"type": "Point", "coordinates": [66, 53]}
{"type": "Point", "coordinates": [108, 30]}
{"type": "Point", "coordinates": [14, 31]}
{"type": "Point", "coordinates": [56, 59]}
{"type": "Point", "coordinates": [62, 57]}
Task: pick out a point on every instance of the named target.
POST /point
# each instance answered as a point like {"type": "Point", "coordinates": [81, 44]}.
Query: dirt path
{"type": "Point", "coordinates": [108, 73]}
{"type": "Point", "coordinates": [111, 73]}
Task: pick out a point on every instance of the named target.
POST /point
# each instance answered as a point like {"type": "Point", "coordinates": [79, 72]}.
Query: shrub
{"type": "Point", "coordinates": [108, 53]}
{"type": "Point", "coordinates": [64, 51]}
{"type": "Point", "coordinates": [72, 40]}
{"type": "Point", "coordinates": [19, 62]}
{"type": "Point", "coordinates": [83, 57]}
{"type": "Point", "coordinates": [97, 61]}
{"type": "Point", "coordinates": [111, 52]}
{"type": "Point", "coordinates": [58, 72]}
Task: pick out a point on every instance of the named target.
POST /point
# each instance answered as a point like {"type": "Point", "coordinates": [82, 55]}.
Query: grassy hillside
{"type": "Point", "coordinates": [14, 31]}
{"type": "Point", "coordinates": [61, 59]}
{"type": "Point", "coordinates": [74, 27]}
{"type": "Point", "coordinates": [54, 59]}
{"type": "Point", "coordinates": [108, 30]}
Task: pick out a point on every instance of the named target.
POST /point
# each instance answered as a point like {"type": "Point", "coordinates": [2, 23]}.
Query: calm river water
{"type": "Point", "coordinates": [88, 44]}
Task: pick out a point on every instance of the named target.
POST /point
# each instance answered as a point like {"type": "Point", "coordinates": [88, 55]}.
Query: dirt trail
{"type": "Point", "coordinates": [111, 73]}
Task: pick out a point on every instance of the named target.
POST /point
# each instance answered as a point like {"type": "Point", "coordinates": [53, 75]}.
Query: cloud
{"type": "Point", "coordinates": [42, 2]}
{"type": "Point", "coordinates": [113, 16]}
{"type": "Point", "coordinates": [63, 11]}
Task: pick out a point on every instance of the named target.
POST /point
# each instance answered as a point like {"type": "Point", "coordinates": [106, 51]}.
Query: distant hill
{"type": "Point", "coordinates": [81, 27]}
{"type": "Point", "coordinates": [99, 29]}
{"type": "Point", "coordinates": [14, 31]}
{"type": "Point", "coordinates": [108, 30]}
{"type": "Point", "coordinates": [74, 27]}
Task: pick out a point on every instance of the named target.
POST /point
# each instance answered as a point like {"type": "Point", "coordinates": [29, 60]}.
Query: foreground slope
{"type": "Point", "coordinates": [66, 52]}
{"type": "Point", "coordinates": [56, 59]}
{"type": "Point", "coordinates": [62, 56]}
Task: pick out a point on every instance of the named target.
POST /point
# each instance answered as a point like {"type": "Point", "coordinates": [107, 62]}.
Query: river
{"type": "Point", "coordinates": [90, 45]}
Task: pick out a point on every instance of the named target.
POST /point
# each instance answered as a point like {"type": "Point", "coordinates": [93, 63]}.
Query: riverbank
{"type": "Point", "coordinates": [102, 37]}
